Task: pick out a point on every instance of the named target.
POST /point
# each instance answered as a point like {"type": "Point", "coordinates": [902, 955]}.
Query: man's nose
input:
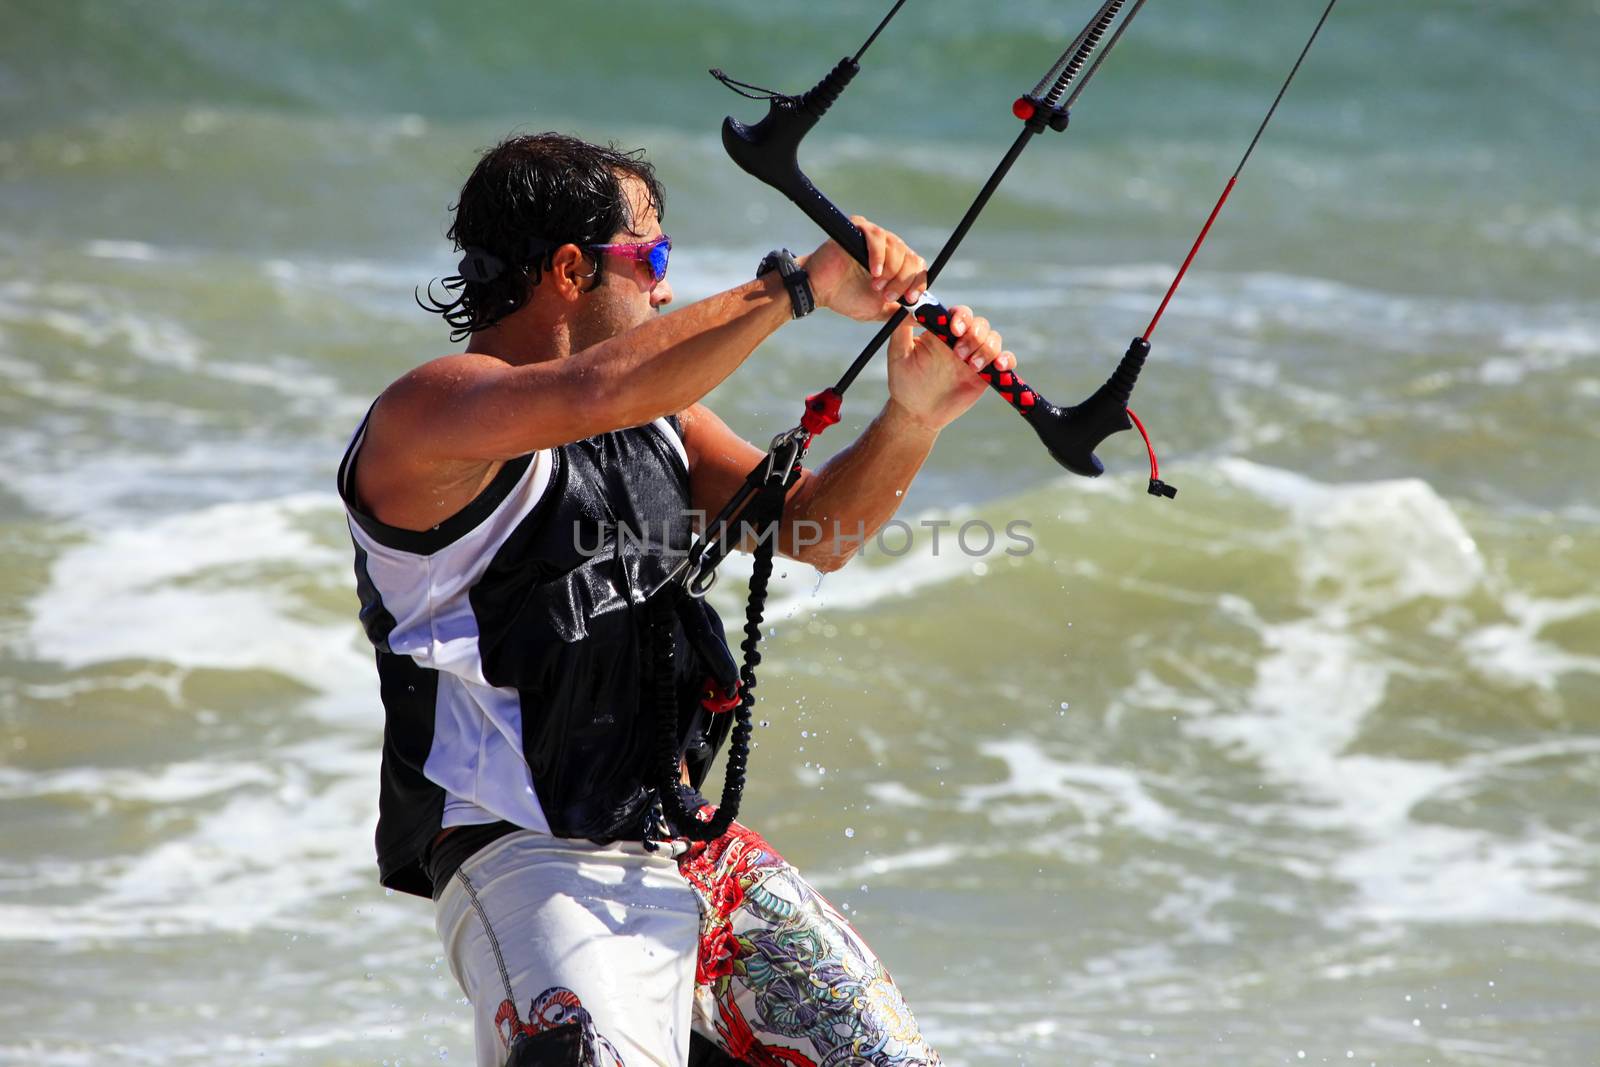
{"type": "Point", "coordinates": [661, 295]}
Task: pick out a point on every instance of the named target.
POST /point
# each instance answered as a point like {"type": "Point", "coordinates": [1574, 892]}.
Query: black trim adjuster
{"type": "Point", "coordinates": [795, 279]}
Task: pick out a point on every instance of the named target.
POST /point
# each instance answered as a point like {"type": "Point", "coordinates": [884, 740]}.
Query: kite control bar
{"type": "Point", "coordinates": [769, 151]}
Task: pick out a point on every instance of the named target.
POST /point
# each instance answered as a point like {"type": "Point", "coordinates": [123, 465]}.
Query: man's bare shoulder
{"type": "Point", "coordinates": [406, 476]}
{"type": "Point", "coordinates": [423, 393]}
{"type": "Point", "coordinates": [447, 374]}
{"type": "Point", "coordinates": [403, 418]}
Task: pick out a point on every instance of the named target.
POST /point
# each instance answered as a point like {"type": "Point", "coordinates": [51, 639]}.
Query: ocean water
{"type": "Point", "coordinates": [1300, 767]}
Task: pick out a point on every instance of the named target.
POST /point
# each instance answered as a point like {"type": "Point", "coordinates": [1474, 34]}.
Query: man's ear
{"type": "Point", "coordinates": [571, 273]}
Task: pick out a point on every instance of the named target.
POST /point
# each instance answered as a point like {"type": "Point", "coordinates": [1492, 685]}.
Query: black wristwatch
{"type": "Point", "coordinates": [795, 279]}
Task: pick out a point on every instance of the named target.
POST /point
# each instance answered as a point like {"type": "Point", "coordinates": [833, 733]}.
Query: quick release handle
{"type": "Point", "coordinates": [1079, 430]}
{"type": "Point", "coordinates": [769, 152]}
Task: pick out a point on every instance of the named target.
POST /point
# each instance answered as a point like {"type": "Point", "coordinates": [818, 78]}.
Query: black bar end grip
{"type": "Point", "coordinates": [769, 152]}
{"type": "Point", "coordinates": [1072, 434]}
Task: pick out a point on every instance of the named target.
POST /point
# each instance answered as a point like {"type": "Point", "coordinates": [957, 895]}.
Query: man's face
{"type": "Point", "coordinates": [628, 293]}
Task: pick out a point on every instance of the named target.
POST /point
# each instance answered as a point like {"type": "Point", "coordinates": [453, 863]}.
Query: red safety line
{"type": "Point", "coordinates": [1155, 469]}
{"type": "Point", "coordinates": [1198, 241]}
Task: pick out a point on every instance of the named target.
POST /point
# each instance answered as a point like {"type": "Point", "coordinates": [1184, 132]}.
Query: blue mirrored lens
{"type": "Point", "coordinates": [658, 259]}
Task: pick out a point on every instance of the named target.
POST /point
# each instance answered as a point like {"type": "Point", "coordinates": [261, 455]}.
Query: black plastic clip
{"type": "Point", "coordinates": [1038, 114]}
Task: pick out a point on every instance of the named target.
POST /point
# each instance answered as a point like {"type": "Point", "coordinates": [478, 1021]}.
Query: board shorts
{"type": "Point", "coordinates": [616, 954]}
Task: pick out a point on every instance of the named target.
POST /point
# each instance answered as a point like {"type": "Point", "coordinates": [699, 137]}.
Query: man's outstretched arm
{"type": "Point", "coordinates": [437, 435]}
{"type": "Point", "coordinates": [477, 407]}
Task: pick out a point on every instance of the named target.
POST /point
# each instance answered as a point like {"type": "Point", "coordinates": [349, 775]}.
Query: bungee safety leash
{"type": "Point", "coordinates": [768, 150]}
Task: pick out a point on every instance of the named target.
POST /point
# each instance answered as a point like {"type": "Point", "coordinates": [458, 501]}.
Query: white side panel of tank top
{"type": "Point", "coordinates": [428, 595]}
{"type": "Point", "coordinates": [477, 756]}
{"type": "Point", "coordinates": [677, 443]}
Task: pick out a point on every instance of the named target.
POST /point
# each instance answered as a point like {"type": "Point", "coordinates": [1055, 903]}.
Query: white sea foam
{"type": "Point", "coordinates": [1544, 228]}
{"type": "Point", "coordinates": [1514, 652]}
{"type": "Point", "coordinates": [1100, 794]}
{"type": "Point", "coordinates": [388, 275]}
{"type": "Point", "coordinates": [1536, 349]}
{"type": "Point", "coordinates": [1429, 872]}
{"type": "Point", "coordinates": [133, 251]}
{"type": "Point", "coordinates": [923, 858]}
{"type": "Point", "coordinates": [267, 840]}
{"type": "Point", "coordinates": [147, 336]}
{"type": "Point", "coordinates": [1314, 688]}
{"type": "Point", "coordinates": [172, 784]}
{"type": "Point", "coordinates": [196, 590]}
{"type": "Point", "coordinates": [1359, 551]}
{"type": "Point", "coordinates": [114, 489]}
{"type": "Point", "coordinates": [897, 794]}
{"type": "Point", "coordinates": [1368, 546]}
{"type": "Point", "coordinates": [1243, 307]}
{"type": "Point", "coordinates": [90, 319]}
{"type": "Point", "coordinates": [78, 396]}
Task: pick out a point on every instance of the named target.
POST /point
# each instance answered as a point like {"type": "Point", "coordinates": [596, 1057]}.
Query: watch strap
{"type": "Point", "coordinates": [795, 279]}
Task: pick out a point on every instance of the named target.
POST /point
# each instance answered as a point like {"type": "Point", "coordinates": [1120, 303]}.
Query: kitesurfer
{"type": "Point", "coordinates": [512, 507]}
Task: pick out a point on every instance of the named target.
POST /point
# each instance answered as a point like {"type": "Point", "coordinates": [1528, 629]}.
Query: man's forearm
{"type": "Point", "coordinates": [835, 509]}
{"type": "Point", "coordinates": [671, 362]}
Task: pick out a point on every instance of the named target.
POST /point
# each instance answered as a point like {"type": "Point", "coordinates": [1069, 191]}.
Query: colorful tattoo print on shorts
{"type": "Point", "coordinates": [782, 976]}
{"type": "Point", "coordinates": [553, 1008]}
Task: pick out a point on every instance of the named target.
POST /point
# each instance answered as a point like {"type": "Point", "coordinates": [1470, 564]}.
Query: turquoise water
{"type": "Point", "coordinates": [1301, 762]}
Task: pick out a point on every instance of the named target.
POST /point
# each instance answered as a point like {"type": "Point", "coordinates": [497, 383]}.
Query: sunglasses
{"type": "Point", "coordinates": [652, 252]}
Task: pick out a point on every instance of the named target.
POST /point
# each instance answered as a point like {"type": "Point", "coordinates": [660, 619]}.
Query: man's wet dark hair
{"type": "Point", "coordinates": [529, 195]}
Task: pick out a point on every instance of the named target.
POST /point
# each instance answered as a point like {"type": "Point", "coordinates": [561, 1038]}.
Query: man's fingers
{"type": "Point", "coordinates": [911, 279]}
{"type": "Point", "coordinates": [896, 271]}
{"type": "Point", "coordinates": [919, 281]}
{"type": "Point", "coordinates": [977, 344]}
{"type": "Point", "coordinates": [890, 283]}
{"type": "Point", "coordinates": [975, 340]}
{"type": "Point", "coordinates": [960, 323]}
{"type": "Point", "coordinates": [988, 352]}
{"type": "Point", "coordinates": [901, 340]}
{"type": "Point", "coordinates": [874, 236]}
